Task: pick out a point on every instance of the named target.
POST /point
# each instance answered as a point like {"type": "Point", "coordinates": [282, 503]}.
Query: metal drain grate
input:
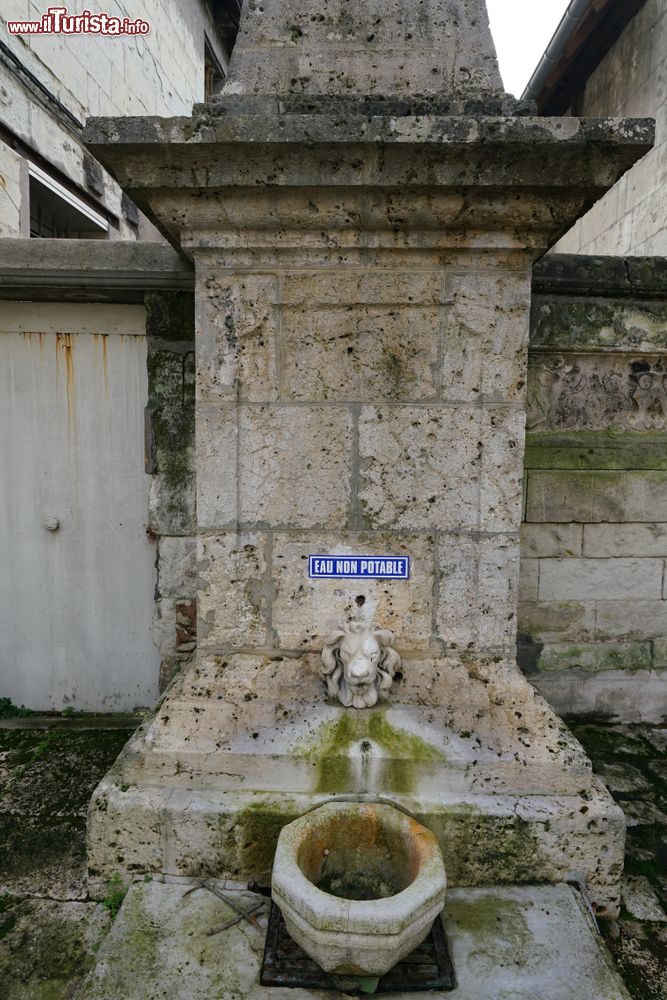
{"type": "Point", "coordinates": [429, 967]}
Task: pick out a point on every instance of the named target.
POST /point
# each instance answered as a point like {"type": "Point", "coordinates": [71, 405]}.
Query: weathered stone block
{"type": "Point", "coordinates": [295, 466]}
{"type": "Point", "coordinates": [232, 592]}
{"type": "Point", "coordinates": [551, 541]}
{"type": "Point", "coordinates": [602, 541]}
{"type": "Point", "coordinates": [596, 496]}
{"type": "Point", "coordinates": [596, 450]}
{"type": "Point", "coordinates": [501, 478]}
{"type": "Point", "coordinates": [485, 337]}
{"type": "Point", "coordinates": [246, 679]}
{"type": "Point", "coordinates": [217, 468]}
{"type": "Point", "coordinates": [630, 695]}
{"type": "Point", "coordinates": [597, 392]}
{"type": "Point", "coordinates": [164, 626]}
{"type": "Point", "coordinates": [529, 576]}
{"type": "Point", "coordinates": [598, 325]}
{"type": "Point", "coordinates": [660, 652]}
{"type": "Point", "coordinates": [10, 191]}
{"type": "Point", "coordinates": [596, 657]}
{"type": "Point", "coordinates": [564, 621]}
{"type": "Point", "coordinates": [304, 609]}
{"type": "Point", "coordinates": [378, 340]}
{"type": "Point", "coordinates": [237, 323]}
{"type": "Point", "coordinates": [478, 592]}
{"type": "Point", "coordinates": [388, 50]}
{"type": "Point", "coordinates": [633, 619]}
{"type": "Point", "coordinates": [171, 376]}
{"type": "Point", "coordinates": [600, 579]}
{"type": "Point", "coordinates": [419, 467]}
{"type": "Point", "coordinates": [177, 566]}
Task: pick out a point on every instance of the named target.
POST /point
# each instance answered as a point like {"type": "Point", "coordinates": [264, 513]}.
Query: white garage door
{"type": "Point", "coordinates": [76, 566]}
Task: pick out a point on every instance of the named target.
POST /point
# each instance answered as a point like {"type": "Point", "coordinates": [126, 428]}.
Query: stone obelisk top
{"type": "Point", "coordinates": [364, 48]}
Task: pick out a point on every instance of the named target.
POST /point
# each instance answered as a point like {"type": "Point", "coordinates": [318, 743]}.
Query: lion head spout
{"type": "Point", "coordinates": [358, 664]}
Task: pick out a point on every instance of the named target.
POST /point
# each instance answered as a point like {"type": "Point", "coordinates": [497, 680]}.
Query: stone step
{"type": "Point", "coordinates": [506, 943]}
{"type": "Point", "coordinates": [485, 839]}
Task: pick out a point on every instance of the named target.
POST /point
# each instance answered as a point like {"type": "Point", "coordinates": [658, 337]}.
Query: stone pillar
{"type": "Point", "coordinates": [363, 226]}
{"type": "Point", "coordinates": [366, 405]}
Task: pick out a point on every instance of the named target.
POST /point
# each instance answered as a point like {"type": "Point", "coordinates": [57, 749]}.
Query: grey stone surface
{"type": "Point", "coordinates": [507, 944]}
{"type": "Point", "coordinates": [360, 336]}
{"type": "Point", "coordinates": [554, 541]}
{"type": "Point", "coordinates": [596, 496]}
{"type": "Point", "coordinates": [596, 657]}
{"type": "Point", "coordinates": [477, 592]}
{"type": "Point", "coordinates": [383, 48]}
{"type": "Point", "coordinates": [603, 541]}
{"type": "Point", "coordinates": [640, 900]}
{"type": "Point", "coordinates": [609, 579]}
{"type": "Point", "coordinates": [485, 336]}
{"type": "Point", "coordinates": [598, 324]}
{"type": "Point", "coordinates": [237, 322]}
{"type": "Point", "coordinates": [399, 865]}
{"type": "Point", "coordinates": [630, 695]}
{"type": "Point", "coordinates": [232, 600]}
{"type": "Point", "coordinates": [420, 467]}
{"type": "Point", "coordinates": [576, 162]}
{"type": "Point", "coordinates": [630, 220]}
{"type": "Point", "coordinates": [303, 609]}
{"type": "Point", "coordinates": [177, 566]}
{"type": "Point", "coordinates": [558, 621]}
{"type": "Point", "coordinates": [89, 270]}
{"type": "Point", "coordinates": [217, 466]}
{"type": "Point", "coordinates": [529, 578]}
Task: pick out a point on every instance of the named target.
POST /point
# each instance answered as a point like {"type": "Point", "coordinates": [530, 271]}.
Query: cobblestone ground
{"type": "Point", "coordinates": [49, 932]}
{"type": "Point", "coordinates": [632, 762]}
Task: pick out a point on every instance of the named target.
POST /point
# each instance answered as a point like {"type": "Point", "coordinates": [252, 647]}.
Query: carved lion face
{"type": "Point", "coordinates": [358, 664]}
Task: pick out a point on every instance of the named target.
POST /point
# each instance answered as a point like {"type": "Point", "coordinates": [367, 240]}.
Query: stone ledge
{"type": "Point", "coordinates": [616, 277]}
{"type": "Point", "coordinates": [89, 270]}
{"type": "Point", "coordinates": [211, 129]}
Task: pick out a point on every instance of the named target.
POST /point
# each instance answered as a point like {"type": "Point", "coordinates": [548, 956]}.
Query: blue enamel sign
{"type": "Point", "coordinates": [363, 567]}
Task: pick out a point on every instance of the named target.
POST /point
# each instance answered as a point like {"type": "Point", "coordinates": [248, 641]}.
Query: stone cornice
{"type": "Point", "coordinates": [89, 270]}
{"type": "Point", "coordinates": [391, 176]}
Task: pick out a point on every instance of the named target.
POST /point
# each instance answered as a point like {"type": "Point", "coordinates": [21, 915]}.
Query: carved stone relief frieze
{"type": "Point", "coordinates": [597, 392]}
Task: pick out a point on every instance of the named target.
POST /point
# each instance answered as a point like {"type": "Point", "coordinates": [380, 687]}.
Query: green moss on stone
{"type": "Point", "coordinates": [170, 316]}
{"type": "Point", "coordinates": [596, 450]}
{"type": "Point", "coordinates": [255, 835]}
{"type": "Point", "coordinates": [331, 748]}
{"type": "Point", "coordinates": [491, 917]}
{"type": "Point", "coordinates": [598, 657]}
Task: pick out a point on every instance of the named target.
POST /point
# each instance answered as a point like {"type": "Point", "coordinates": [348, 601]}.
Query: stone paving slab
{"type": "Point", "coordinates": [509, 943]}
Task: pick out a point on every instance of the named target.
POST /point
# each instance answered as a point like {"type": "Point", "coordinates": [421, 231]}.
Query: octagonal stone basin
{"type": "Point", "coordinates": [359, 885]}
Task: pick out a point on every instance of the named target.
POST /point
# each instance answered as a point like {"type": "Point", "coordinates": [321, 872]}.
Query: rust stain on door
{"type": "Point", "coordinates": [65, 352]}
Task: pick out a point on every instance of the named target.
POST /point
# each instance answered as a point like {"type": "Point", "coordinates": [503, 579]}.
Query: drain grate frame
{"type": "Point", "coordinates": [285, 964]}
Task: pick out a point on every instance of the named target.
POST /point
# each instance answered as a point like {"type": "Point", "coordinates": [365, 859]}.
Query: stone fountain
{"type": "Point", "coordinates": [363, 205]}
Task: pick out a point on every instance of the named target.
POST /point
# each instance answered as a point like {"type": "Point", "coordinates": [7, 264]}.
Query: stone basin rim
{"type": "Point", "coordinates": [323, 910]}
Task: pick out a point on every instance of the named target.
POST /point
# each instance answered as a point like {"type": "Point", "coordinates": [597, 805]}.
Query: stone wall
{"type": "Point", "coordinates": [593, 608]}
{"type": "Point", "coordinates": [170, 423]}
{"type": "Point", "coordinates": [348, 408]}
{"type": "Point", "coordinates": [593, 612]}
{"type": "Point", "coordinates": [630, 81]}
{"type": "Point", "coordinates": [161, 73]}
